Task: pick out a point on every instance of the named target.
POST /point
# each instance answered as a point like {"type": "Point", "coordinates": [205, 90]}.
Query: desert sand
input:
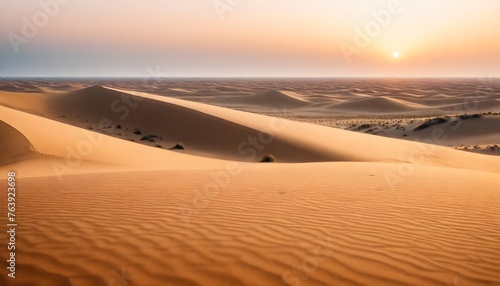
{"type": "Point", "coordinates": [372, 185]}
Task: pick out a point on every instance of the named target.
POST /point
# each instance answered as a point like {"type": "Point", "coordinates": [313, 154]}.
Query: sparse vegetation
{"type": "Point", "coordinates": [430, 122]}
{"type": "Point", "coordinates": [268, 159]}
{"type": "Point", "coordinates": [178, 146]}
{"type": "Point", "coordinates": [364, 126]}
{"type": "Point", "coordinates": [149, 138]}
{"type": "Point", "coordinates": [469, 116]}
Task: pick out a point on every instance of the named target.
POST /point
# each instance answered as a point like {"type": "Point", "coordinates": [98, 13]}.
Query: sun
{"type": "Point", "coordinates": [395, 55]}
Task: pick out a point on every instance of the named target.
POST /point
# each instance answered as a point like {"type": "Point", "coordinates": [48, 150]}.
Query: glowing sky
{"type": "Point", "coordinates": [256, 38]}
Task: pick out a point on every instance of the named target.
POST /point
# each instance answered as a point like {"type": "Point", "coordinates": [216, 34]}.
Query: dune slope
{"type": "Point", "coordinates": [14, 145]}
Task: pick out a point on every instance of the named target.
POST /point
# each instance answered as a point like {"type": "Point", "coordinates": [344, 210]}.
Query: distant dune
{"type": "Point", "coordinates": [265, 100]}
{"type": "Point", "coordinates": [373, 104]}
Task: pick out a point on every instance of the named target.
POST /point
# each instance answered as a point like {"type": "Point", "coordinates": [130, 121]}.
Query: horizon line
{"type": "Point", "coordinates": [246, 77]}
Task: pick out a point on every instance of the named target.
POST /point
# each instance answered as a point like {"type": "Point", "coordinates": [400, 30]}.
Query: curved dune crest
{"type": "Point", "coordinates": [65, 149]}
{"type": "Point", "coordinates": [14, 146]}
{"type": "Point", "coordinates": [203, 133]}
{"type": "Point", "coordinates": [278, 97]}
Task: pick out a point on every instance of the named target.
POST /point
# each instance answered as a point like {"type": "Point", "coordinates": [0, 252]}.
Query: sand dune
{"type": "Point", "coordinates": [339, 208]}
{"type": "Point", "coordinates": [372, 104]}
{"type": "Point", "coordinates": [278, 98]}
{"type": "Point", "coordinates": [492, 105]}
{"type": "Point", "coordinates": [482, 130]}
{"type": "Point", "coordinates": [265, 100]}
{"type": "Point", "coordinates": [64, 149]}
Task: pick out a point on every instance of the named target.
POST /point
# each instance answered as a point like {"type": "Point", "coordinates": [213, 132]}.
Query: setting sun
{"type": "Point", "coordinates": [395, 55]}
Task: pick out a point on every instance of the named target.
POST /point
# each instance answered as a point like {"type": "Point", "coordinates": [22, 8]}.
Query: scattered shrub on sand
{"type": "Point", "coordinates": [137, 132]}
{"type": "Point", "coordinates": [469, 116]}
{"type": "Point", "coordinates": [268, 159]}
{"type": "Point", "coordinates": [371, 131]}
{"type": "Point", "coordinates": [158, 146]}
{"type": "Point", "coordinates": [118, 127]}
{"type": "Point", "coordinates": [430, 122]}
{"type": "Point", "coordinates": [178, 146]}
{"type": "Point", "coordinates": [149, 137]}
{"type": "Point", "coordinates": [364, 126]}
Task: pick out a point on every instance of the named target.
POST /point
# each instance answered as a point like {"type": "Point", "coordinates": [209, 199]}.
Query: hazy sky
{"type": "Point", "coordinates": [257, 38]}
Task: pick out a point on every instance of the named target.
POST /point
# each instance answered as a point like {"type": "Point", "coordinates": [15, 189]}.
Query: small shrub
{"type": "Point", "coordinates": [178, 146]}
{"type": "Point", "coordinates": [430, 122]}
{"type": "Point", "coordinates": [149, 138]}
{"type": "Point", "coordinates": [364, 126]}
{"type": "Point", "coordinates": [268, 159]}
{"type": "Point", "coordinates": [469, 116]}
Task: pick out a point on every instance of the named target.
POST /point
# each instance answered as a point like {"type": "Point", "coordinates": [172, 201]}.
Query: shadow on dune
{"type": "Point", "coordinates": [14, 146]}
{"type": "Point", "coordinates": [206, 135]}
